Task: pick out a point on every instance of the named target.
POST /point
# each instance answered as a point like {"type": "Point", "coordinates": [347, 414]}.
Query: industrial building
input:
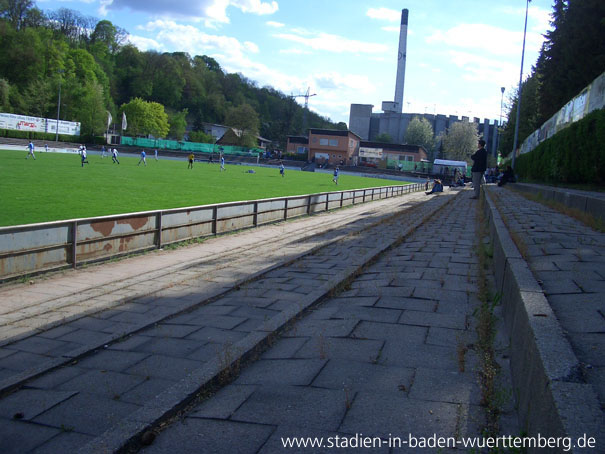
{"type": "Point", "coordinates": [392, 121]}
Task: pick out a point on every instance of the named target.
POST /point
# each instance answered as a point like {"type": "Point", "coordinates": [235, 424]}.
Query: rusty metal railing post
{"type": "Point", "coordinates": [214, 220]}
{"type": "Point", "coordinates": [158, 224]}
{"type": "Point", "coordinates": [255, 218]}
{"type": "Point", "coordinates": [74, 245]}
{"type": "Point", "coordinates": [285, 209]}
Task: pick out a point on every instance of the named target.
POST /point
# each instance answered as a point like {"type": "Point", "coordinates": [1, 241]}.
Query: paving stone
{"type": "Point", "coordinates": [209, 334]}
{"type": "Point", "coordinates": [415, 304]}
{"type": "Point", "coordinates": [85, 337]}
{"type": "Point", "coordinates": [224, 403]}
{"type": "Point", "coordinates": [383, 414]}
{"type": "Point", "coordinates": [64, 442]}
{"type": "Point", "coordinates": [357, 376]}
{"type": "Point", "coordinates": [346, 348]}
{"type": "Point", "coordinates": [328, 328]}
{"type": "Point", "coordinates": [38, 345]}
{"type": "Point", "coordinates": [447, 337]}
{"type": "Point", "coordinates": [169, 330]}
{"type": "Point", "coordinates": [438, 385]}
{"type": "Point", "coordinates": [441, 294]}
{"type": "Point", "coordinates": [114, 360]}
{"type": "Point", "coordinates": [86, 413]}
{"type": "Point", "coordinates": [281, 371]}
{"type": "Point", "coordinates": [344, 301]}
{"type": "Point", "coordinates": [302, 407]}
{"type": "Point", "coordinates": [372, 314]}
{"type": "Point", "coordinates": [386, 291]}
{"type": "Point", "coordinates": [17, 437]}
{"type": "Point", "coordinates": [254, 313]}
{"type": "Point", "coordinates": [418, 318]}
{"type": "Point", "coordinates": [21, 361]}
{"type": "Point", "coordinates": [414, 335]}
{"type": "Point", "coordinates": [371, 284]}
{"type": "Point", "coordinates": [56, 332]}
{"type": "Point", "coordinates": [410, 355]}
{"type": "Point", "coordinates": [103, 383]}
{"type": "Point", "coordinates": [54, 378]}
{"type": "Point", "coordinates": [31, 402]}
{"type": "Point", "coordinates": [167, 367]}
{"type": "Point", "coordinates": [239, 299]}
{"type": "Point", "coordinates": [590, 347]}
{"type": "Point", "coordinates": [195, 436]}
{"type": "Point", "coordinates": [285, 348]}
{"type": "Point", "coordinates": [178, 348]}
{"type": "Point", "coordinates": [142, 393]}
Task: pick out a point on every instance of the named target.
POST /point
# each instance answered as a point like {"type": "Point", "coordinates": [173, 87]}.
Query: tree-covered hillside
{"type": "Point", "coordinates": [572, 56]}
{"type": "Point", "coordinates": [99, 72]}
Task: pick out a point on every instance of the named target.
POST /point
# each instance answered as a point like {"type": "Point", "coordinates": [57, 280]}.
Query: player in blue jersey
{"type": "Point", "coordinates": [143, 160]}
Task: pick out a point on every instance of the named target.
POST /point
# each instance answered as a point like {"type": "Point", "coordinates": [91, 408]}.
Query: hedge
{"type": "Point", "coordinates": [575, 154]}
{"type": "Point", "coordinates": [35, 135]}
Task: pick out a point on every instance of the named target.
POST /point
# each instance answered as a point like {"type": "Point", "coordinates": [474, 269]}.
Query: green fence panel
{"type": "Point", "coordinates": [190, 146]}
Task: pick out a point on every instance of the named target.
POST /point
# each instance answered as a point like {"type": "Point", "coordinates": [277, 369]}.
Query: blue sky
{"type": "Point", "coordinates": [459, 52]}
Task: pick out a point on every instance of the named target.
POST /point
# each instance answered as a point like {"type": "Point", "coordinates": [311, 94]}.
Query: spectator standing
{"type": "Point", "coordinates": [479, 165]}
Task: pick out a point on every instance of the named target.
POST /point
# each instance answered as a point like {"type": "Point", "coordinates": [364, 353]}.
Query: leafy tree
{"type": "Point", "coordinates": [420, 132]}
{"type": "Point", "coordinates": [528, 117]}
{"type": "Point", "coordinates": [156, 120]}
{"type": "Point", "coordinates": [460, 141]}
{"type": "Point", "coordinates": [245, 120]}
{"type": "Point", "coordinates": [5, 89]}
{"type": "Point", "coordinates": [384, 138]}
{"type": "Point", "coordinates": [200, 136]}
{"type": "Point", "coordinates": [178, 124]}
{"type": "Point", "coordinates": [15, 11]}
{"type": "Point", "coordinates": [91, 109]}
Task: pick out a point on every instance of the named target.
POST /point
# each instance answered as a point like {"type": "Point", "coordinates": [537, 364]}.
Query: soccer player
{"type": "Point", "coordinates": [335, 179]}
{"type": "Point", "coordinates": [190, 165]}
{"type": "Point", "coordinates": [103, 151]}
{"type": "Point", "coordinates": [222, 163]}
{"type": "Point", "coordinates": [83, 155]}
{"type": "Point", "coordinates": [30, 147]}
{"type": "Point", "coordinates": [156, 154]}
{"type": "Point", "coordinates": [281, 169]}
{"type": "Point", "coordinates": [114, 156]}
{"type": "Point", "coordinates": [143, 160]}
{"type": "Point", "coordinates": [46, 147]}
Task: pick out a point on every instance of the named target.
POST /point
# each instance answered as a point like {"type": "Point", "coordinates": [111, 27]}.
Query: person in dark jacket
{"type": "Point", "coordinates": [479, 166]}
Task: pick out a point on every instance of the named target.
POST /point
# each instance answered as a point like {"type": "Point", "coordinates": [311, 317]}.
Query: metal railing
{"type": "Point", "coordinates": [32, 248]}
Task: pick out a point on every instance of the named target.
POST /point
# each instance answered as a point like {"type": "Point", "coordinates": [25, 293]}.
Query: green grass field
{"type": "Point", "coordinates": [55, 186]}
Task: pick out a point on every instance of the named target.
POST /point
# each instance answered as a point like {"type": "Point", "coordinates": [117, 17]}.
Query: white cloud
{"type": "Point", "coordinates": [251, 47]}
{"type": "Point", "coordinates": [145, 44]}
{"type": "Point", "coordinates": [274, 24]}
{"type": "Point", "coordinates": [209, 11]}
{"type": "Point", "coordinates": [255, 6]}
{"type": "Point", "coordinates": [333, 43]}
{"type": "Point", "coordinates": [294, 51]}
{"type": "Point", "coordinates": [391, 28]}
{"type": "Point", "coordinates": [390, 15]}
{"type": "Point", "coordinates": [486, 38]}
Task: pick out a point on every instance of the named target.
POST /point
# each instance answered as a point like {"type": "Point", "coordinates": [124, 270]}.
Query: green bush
{"type": "Point", "coordinates": [574, 155]}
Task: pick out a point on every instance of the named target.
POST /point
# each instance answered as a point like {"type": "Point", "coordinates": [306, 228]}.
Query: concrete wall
{"type": "Point", "coordinates": [552, 400]}
{"type": "Point", "coordinates": [33, 248]}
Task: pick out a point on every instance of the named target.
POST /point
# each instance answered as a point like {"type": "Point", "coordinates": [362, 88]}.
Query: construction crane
{"type": "Point", "coordinates": [306, 96]}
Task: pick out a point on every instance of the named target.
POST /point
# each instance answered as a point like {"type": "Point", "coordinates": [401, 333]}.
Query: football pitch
{"type": "Point", "coordinates": [55, 186]}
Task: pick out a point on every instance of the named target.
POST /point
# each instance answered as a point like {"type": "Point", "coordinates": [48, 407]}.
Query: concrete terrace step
{"type": "Point", "coordinates": [181, 354]}
{"type": "Point", "coordinates": [129, 292]}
